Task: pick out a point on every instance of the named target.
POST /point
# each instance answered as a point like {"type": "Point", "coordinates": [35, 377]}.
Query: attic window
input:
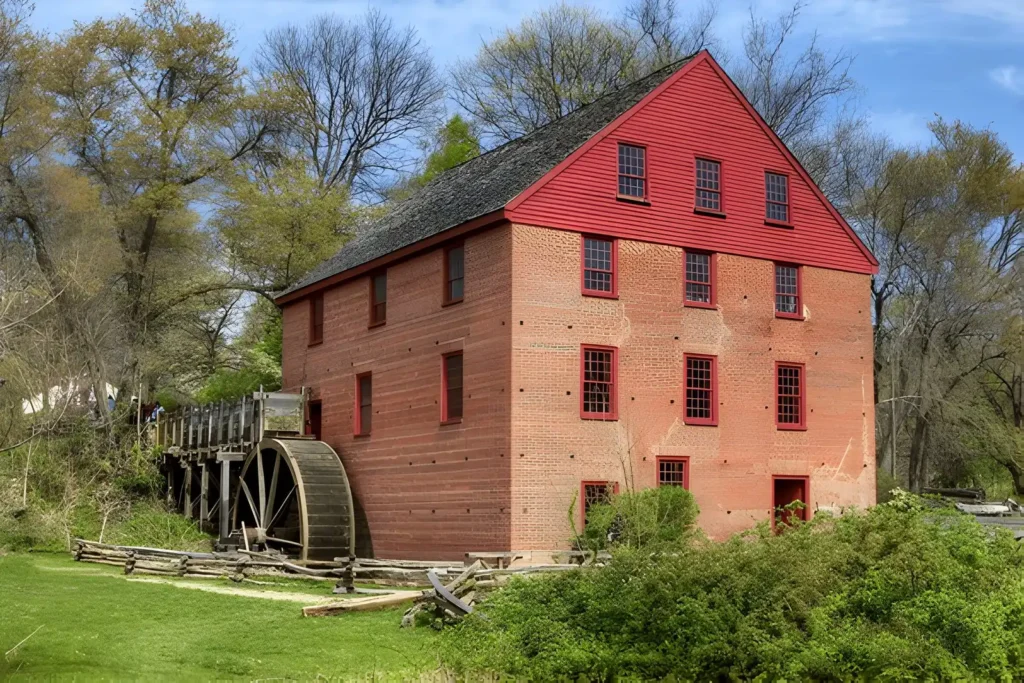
{"type": "Point", "coordinates": [632, 171]}
{"type": "Point", "coordinates": [776, 193]}
{"type": "Point", "coordinates": [709, 186]}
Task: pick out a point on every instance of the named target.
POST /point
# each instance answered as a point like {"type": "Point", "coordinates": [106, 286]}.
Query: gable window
{"type": "Point", "coordinates": [316, 318]}
{"type": "Point", "coordinates": [701, 390]}
{"type": "Point", "coordinates": [709, 186]}
{"type": "Point", "coordinates": [787, 292]}
{"type": "Point", "coordinates": [378, 299]}
{"type": "Point", "coordinates": [790, 396]}
{"type": "Point", "coordinates": [454, 274]}
{"type": "Point", "coordinates": [600, 258]}
{"type": "Point", "coordinates": [451, 388]}
{"type": "Point", "coordinates": [673, 471]}
{"type": "Point", "coordinates": [597, 376]}
{"type": "Point", "coordinates": [699, 279]}
{"type": "Point", "coordinates": [776, 193]}
{"type": "Point", "coordinates": [632, 171]}
{"type": "Point", "coordinates": [364, 404]}
{"type": "Point", "coordinates": [595, 493]}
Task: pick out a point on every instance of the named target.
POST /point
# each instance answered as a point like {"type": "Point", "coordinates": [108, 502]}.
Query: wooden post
{"type": "Point", "coordinates": [188, 491]}
{"type": "Point", "coordinates": [225, 460]}
{"type": "Point", "coordinates": [170, 483]}
{"type": "Point", "coordinates": [204, 500]}
{"type": "Point", "coordinates": [225, 491]}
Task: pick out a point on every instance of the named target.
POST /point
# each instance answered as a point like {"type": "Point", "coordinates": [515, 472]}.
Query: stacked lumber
{"type": "Point", "coordinates": [449, 602]}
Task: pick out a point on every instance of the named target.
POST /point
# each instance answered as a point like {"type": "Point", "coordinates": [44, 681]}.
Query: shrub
{"type": "Point", "coordinates": [899, 592]}
{"type": "Point", "coordinates": [655, 518]}
{"type": "Point", "coordinates": [150, 525]}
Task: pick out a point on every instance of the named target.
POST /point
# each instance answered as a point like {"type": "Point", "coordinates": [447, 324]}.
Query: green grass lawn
{"type": "Point", "coordinates": [96, 626]}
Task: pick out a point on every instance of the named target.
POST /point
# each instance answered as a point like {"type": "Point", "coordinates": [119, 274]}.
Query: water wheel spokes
{"type": "Point", "coordinates": [293, 497]}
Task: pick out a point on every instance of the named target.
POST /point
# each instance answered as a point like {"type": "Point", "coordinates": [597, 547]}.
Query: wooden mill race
{"type": "Point", "coordinates": [245, 470]}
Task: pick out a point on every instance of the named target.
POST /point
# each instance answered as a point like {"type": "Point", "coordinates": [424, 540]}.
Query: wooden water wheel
{"type": "Point", "coordinates": [293, 497]}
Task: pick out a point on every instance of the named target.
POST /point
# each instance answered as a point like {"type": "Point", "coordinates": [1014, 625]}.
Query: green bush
{"type": "Point", "coordinates": [150, 525]}
{"type": "Point", "coordinates": [901, 592]}
{"type": "Point", "coordinates": [885, 484]}
{"type": "Point", "coordinates": [656, 518]}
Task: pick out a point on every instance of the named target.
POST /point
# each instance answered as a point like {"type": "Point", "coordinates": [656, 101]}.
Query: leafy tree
{"type": "Point", "coordinates": [457, 143]}
{"type": "Point", "coordinates": [277, 224]}
{"type": "Point", "coordinates": [144, 107]}
{"type": "Point", "coordinates": [563, 58]}
{"type": "Point", "coordinates": [358, 90]}
{"type": "Point", "coordinates": [945, 223]}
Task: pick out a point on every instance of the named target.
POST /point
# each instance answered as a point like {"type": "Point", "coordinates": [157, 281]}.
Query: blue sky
{"type": "Point", "coordinates": [963, 59]}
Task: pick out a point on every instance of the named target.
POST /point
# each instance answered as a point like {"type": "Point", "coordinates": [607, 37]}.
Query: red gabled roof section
{"type": "Point", "coordinates": [578, 194]}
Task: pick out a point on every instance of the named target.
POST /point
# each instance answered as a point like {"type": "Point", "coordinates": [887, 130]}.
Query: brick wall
{"type": "Point", "coordinates": [506, 476]}
{"type": "Point", "coordinates": [731, 464]}
{"type": "Point", "coordinates": [422, 489]}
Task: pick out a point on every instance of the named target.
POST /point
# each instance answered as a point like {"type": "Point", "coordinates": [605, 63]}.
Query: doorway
{"type": "Point", "coordinates": [313, 423]}
{"type": "Point", "coordinates": [786, 490]}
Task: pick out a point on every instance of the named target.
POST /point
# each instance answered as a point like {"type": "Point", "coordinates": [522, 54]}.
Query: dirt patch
{"type": "Point", "coordinates": [290, 596]}
{"type": "Point", "coordinates": [304, 598]}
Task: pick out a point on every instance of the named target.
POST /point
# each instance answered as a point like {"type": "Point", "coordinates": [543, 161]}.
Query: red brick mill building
{"type": "Point", "coordinates": [650, 291]}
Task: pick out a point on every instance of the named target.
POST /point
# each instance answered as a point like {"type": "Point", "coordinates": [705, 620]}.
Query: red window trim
{"type": "Point", "coordinates": [645, 177]}
{"type": "Point", "coordinates": [799, 315]}
{"type": "Point", "coordinates": [789, 202]}
{"type": "Point", "coordinates": [315, 339]}
{"type": "Point", "coordinates": [373, 309]}
{"type": "Point", "coordinates": [445, 282]}
{"type": "Point", "coordinates": [614, 414]}
{"type": "Point", "coordinates": [444, 388]}
{"type": "Point", "coordinates": [614, 294]}
{"type": "Point", "coordinates": [792, 426]}
{"type": "Point", "coordinates": [713, 271]}
{"type": "Point", "coordinates": [583, 495]}
{"type": "Point", "coordinates": [807, 494]}
{"type": "Point", "coordinates": [685, 459]}
{"type": "Point", "coordinates": [357, 415]}
{"type": "Point", "coordinates": [720, 212]}
{"type": "Point", "coordinates": [702, 421]}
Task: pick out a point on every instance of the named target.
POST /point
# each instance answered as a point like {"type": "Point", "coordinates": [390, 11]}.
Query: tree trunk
{"type": "Point", "coordinates": [919, 454]}
{"type": "Point", "coordinates": [1017, 473]}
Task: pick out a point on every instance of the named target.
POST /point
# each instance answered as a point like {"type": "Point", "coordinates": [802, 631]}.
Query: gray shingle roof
{"type": "Point", "coordinates": [484, 184]}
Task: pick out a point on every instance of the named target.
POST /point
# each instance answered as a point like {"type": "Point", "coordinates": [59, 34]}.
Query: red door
{"type": "Point", "coordinates": [787, 490]}
{"type": "Point", "coordinates": [313, 424]}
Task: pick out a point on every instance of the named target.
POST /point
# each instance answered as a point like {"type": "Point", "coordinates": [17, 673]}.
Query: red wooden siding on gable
{"type": "Point", "coordinates": [696, 116]}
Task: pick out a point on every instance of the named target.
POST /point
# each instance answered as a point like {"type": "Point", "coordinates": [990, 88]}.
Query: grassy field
{"type": "Point", "coordinates": [98, 626]}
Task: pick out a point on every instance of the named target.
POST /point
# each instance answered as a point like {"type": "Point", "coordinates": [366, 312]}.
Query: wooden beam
{"type": "Point", "coordinates": [204, 494]}
{"type": "Point", "coordinates": [225, 492]}
{"type": "Point", "coordinates": [362, 604]}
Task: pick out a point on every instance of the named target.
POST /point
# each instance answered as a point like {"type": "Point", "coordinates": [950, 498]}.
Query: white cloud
{"type": "Point", "coordinates": [894, 20]}
{"type": "Point", "coordinates": [903, 127]}
{"type": "Point", "coordinates": [1009, 78]}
